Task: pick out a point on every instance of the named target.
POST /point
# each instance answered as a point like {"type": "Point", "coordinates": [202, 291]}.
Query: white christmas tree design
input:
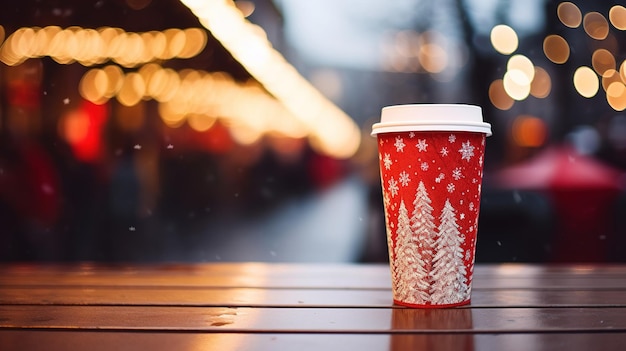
{"type": "Point", "coordinates": [423, 227]}
{"type": "Point", "coordinates": [405, 254]}
{"type": "Point", "coordinates": [450, 284]}
{"type": "Point", "coordinates": [388, 227]}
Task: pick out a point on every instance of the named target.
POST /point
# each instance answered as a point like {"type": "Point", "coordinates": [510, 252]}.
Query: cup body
{"type": "Point", "coordinates": [431, 183]}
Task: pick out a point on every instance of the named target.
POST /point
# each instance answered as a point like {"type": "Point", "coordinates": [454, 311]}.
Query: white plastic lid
{"type": "Point", "coordinates": [431, 117]}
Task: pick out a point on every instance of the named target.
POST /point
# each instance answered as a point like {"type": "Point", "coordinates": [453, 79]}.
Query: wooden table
{"type": "Point", "coordinates": [255, 306]}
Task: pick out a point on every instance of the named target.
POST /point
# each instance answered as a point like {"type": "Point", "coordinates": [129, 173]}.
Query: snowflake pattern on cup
{"type": "Point", "coordinates": [432, 196]}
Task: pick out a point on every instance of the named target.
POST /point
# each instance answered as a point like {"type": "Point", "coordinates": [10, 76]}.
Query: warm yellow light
{"type": "Point", "coordinates": [245, 135]}
{"type": "Point", "coordinates": [542, 84]}
{"type": "Point", "coordinates": [93, 86]}
{"type": "Point", "coordinates": [529, 131]}
{"type": "Point", "coordinates": [610, 76]}
{"type": "Point", "coordinates": [569, 14]}
{"type": "Point", "coordinates": [498, 96]}
{"type": "Point", "coordinates": [175, 42]}
{"type": "Point", "coordinates": [195, 41]}
{"type": "Point", "coordinates": [132, 90]}
{"type": "Point", "coordinates": [617, 16]}
{"type": "Point", "coordinates": [522, 63]}
{"type": "Point", "coordinates": [158, 45]}
{"type": "Point", "coordinates": [586, 82]}
{"type": "Point", "coordinates": [2, 34]}
{"type": "Point", "coordinates": [504, 39]}
{"type": "Point", "coordinates": [432, 57]}
{"type": "Point", "coordinates": [170, 115]}
{"type": "Point", "coordinates": [622, 71]}
{"type": "Point", "coordinates": [331, 131]}
{"type": "Point", "coordinates": [24, 42]}
{"type": "Point", "coordinates": [616, 96]}
{"type": "Point", "coordinates": [131, 50]}
{"type": "Point", "coordinates": [516, 84]}
{"type": "Point", "coordinates": [200, 122]}
{"type": "Point", "coordinates": [163, 85]}
{"type": "Point", "coordinates": [75, 126]}
{"type": "Point", "coordinates": [556, 48]}
{"type": "Point", "coordinates": [115, 78]}
{"type": "Point", "coordinates": [90, 46]}
{"type": "Point", "coordinates": [596, 26]}
{"type": "Point", "coordinates": [602, 60]}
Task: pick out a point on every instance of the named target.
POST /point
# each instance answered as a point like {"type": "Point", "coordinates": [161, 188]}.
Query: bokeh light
{"type": "Point", "coordinates": [616, 96]}
{"type": "Point", "coordinates": [608, 77]}
{"type": "Point", "coordinates": [523, 64]}
{"type": "Point", "coordinates": [602, 60]}
{"type": "Point", "coordinates": [596, 25]}
{"type": "Point", "coordinates": [504, 39]}
{"type": "Point", "coordinates": [498, 96]}
{"type": "Point", "coordinates": [556, 48]}
{"type": "Point", "coordinates": [622, 71]}
{"type": "Point", "coordinates": [541, 85]}
{"type": "Point", "coordinates": [90, 46]}
{"type": "Point", "coordinates": [516, 84]}
{"type": "Point", "coordinates": [569, 14]}
{"type": "Point", "coordinates": [93, 86]}
{"type": "Point", "coordinates": [586, 82]}
{"type": "Point", "coordinates": [529, 131]}
{"type": "Point", "coordinates": [617, 16]}
{"type": "Point", "coordinates": [132, 90]}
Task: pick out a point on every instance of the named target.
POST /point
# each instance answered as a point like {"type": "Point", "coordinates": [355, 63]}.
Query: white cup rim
{"type": "Point", "coordinates": [431, 117]}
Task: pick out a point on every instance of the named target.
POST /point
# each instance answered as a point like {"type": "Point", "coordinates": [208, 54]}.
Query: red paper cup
{"type": "Point", "coordinates": [431, 167]}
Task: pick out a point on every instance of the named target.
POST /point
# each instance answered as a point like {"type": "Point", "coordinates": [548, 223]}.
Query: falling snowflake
{"type": "Point", "coordinates": [404, 178]}
{"type": "Point", "coordinates": [421, 145]}
{"type": "Point", "coordinates": [424, 166]}
{"type": "Point", "coordinates": [412, 135]}
{"type": "Point", "coordinates": [66, 101]}
{"type": "Point", "coordinates": [444, 151]}
{"type": "Point", "coordinates": [170, 146]}
{"type": "Point", "coordinates": [399, 144]}
{"type": "Point", "coordinates": [467, 151]}
{"type": "Point", "coordinates": [452, 138]}
{"type": "Point", "coordinates": [387, 161]}
{"type": "Point", "coordinates": [393, 187]}
{"type": "Point", "coordinates": [439, 178]}
{"type": "Point", "coordinates": [137, 147]}
{"type": "Point", "coordinates": [456, 173]}
{"type": "Point", "coordinates": [450, 187]}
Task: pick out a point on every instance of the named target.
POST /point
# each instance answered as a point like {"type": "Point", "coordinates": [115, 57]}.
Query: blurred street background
{"type": "Point", "coordinates": [219, 130]}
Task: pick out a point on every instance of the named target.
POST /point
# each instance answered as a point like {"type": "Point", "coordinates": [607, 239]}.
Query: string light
{"type": "Point", "coordinates": [330, 130]}
{"type": "Point", "coordinates": [90, 46]}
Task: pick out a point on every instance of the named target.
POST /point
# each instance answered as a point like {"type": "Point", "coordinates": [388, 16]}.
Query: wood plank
{"type": "Point", "coordinates": [253, 297]}
{"type": "Point", "coordinates": [122, 341]}
{"type": "Point", "coordinates": [314, 320]}
{"type": "Point", "coordinates": [343, 269]}
{"type": "Point", "coordinates": [248, 275]}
